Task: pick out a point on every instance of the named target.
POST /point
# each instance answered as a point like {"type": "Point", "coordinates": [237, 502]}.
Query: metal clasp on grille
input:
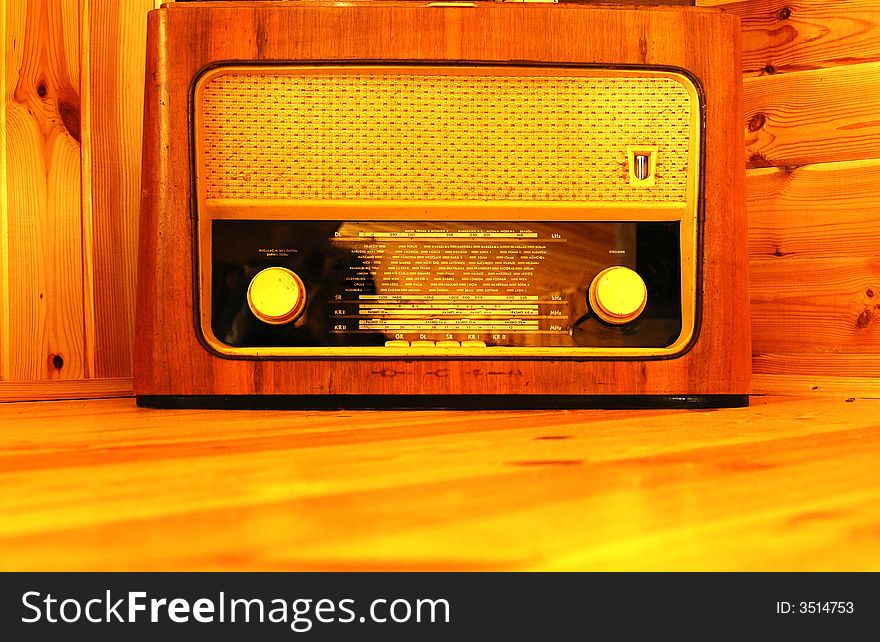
{"type": "Point", "coordinates": [642, 165]}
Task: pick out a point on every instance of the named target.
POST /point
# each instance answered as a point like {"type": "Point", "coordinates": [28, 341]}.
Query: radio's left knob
{"type": "Point", "coordinates": [276, 295]}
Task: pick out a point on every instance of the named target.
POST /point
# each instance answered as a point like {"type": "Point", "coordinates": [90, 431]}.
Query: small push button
{"type": "Point", "coordinates": [473, 344]}
{"type": "Point", "coordinates": [448, 344]}
{"type": "Point", "coordinates": [423, 344]}
{"type": "Point", "coordinates": [397, 343]}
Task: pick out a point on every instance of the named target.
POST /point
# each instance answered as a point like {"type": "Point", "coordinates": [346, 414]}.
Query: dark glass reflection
{"type": "Point", "coordinates": [513, 284]}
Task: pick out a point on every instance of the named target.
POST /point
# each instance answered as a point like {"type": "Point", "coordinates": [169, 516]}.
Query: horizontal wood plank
{"type": "Point", "coordinates": [781, 36]}
{"type": "Point", "coordinates": [816, 383]}
{"type": "Point", "coordinates": [65, 389]}
{"type": "Point", "coordinates": [815, 305]}
{"type": "Point", "coordinates": [126, 488]}
{"type": "Point", "coordinates": [813, 116]}
{"type": "Point", "coordinates": [822, 365]}
{"type": "Point", "coordinates": [828, 210]}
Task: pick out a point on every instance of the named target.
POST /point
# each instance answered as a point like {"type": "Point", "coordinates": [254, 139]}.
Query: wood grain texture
{"type": "Point", "coordinates": [4, 203]}
{"type": "Point", "coordinates": [813, 116]}
{"type": "Point", "coordinates": [819, 365]}
{"type": "Point", "coordinates": [815, 272]}
{"type": "Point", "coordinates": [70, 171]}
{"type": "Point", "coordinates": [102, 485]}
{"type": "Point", "coordinates": [718, 363]}
{"type": "Point", "coordinates": [811, 34]}
{"type": "Point", "coordinates": [780, 36]}
{"type": "Point", "coordinates": [816, 305]}
{"type": "Point", "coordinates": [813, 225]}
{"type": "Point", "coordinates": [117, 32]}
{"type": "Point", "coordinates": [42, 285]}
{"type": "Point", "coordinates": [64, 389]}
{"type": "Point", "coordinates": [816, 316]}
{"type": "Point", "coordinates": [820, 211]}
{"type": "Point", "coordinates": [849, 386]}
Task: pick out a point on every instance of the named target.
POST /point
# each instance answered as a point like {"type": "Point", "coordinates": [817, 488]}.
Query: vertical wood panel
{"type": "Point", "coordinates": [70, 178]}
{"type": "Point", "coordinates": [8, 63]}
{"type": "Point", "coordinates": [43, 301]}
{"type": "Point", "coordinates": [86, 193]}
{"type": "Point", "coordinates": [117, 34]}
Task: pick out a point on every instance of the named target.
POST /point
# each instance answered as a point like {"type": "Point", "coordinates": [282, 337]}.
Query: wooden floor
{"type": "Point", "coordinates": [787, 484]}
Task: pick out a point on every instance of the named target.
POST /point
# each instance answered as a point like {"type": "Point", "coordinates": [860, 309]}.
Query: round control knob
{"type": "Point", "coordinates": [276, 295]}
{"type": "Point", "coordinates": [618, 295]}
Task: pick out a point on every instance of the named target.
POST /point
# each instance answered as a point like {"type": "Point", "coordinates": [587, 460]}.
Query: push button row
{"type": "Point", "coordinates": [397, 343]}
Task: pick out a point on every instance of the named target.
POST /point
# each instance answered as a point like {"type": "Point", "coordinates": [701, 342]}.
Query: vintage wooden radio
{"type": "Point", "coordinates": [478, 205]}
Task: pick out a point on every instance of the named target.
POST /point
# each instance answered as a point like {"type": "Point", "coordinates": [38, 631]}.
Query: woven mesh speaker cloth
{"type": "Point", "coordinates": [393, 135]}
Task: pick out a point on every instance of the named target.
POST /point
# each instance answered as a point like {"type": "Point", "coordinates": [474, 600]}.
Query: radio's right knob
{"type": "Point", "coordinates": [276, 295]}
{"type": "Point", "coordinates": [618, 295]}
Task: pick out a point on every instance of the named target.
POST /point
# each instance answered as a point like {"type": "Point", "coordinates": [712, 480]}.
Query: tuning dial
{"type": "Point", "coordinates": [276, 295]}
{"type": "Point", "coordinates": [618, 295]}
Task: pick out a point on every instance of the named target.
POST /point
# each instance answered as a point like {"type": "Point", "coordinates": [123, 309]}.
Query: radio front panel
{"type": "Point", "coordinates": [455, 211]}
{"type": "Point", "coordinates": [459, 287]}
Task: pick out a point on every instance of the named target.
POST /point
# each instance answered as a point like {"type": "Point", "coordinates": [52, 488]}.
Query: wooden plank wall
{"type": "Point", "coordinates": [70, 139]}
{"type": "Point", "coordinates": [812, 132]}
{"type": "Point", "coordinates": [70, 131]}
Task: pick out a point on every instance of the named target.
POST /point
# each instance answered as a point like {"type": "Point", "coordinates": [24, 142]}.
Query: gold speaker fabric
{"type": "Point", "coordinates": [442, 134]}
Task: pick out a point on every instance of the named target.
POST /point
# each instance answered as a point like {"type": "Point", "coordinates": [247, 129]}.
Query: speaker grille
{"type": "Point", "coordinates": [349, 134]}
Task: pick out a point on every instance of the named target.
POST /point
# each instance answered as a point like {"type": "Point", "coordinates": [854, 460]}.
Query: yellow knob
{"type": "Point", "coordinates": [276, 295]}
{"type": "Point", "coordinates": [618, 295]}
